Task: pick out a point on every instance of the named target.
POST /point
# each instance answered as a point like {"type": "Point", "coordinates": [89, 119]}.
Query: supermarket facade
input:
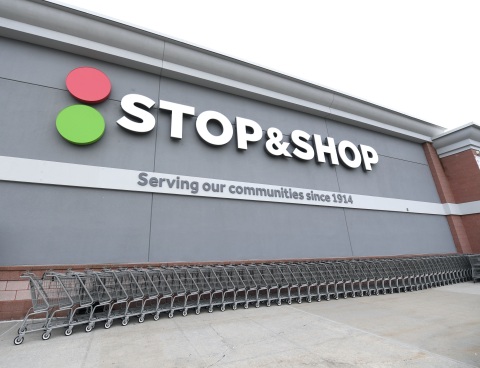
{"type": "Point", "coordinates": [198, 157]}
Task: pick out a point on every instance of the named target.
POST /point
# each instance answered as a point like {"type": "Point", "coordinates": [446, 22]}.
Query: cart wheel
{"type": "Point", "coordinates": [222, 308]}
{"type": "Point", "coordinates": [245, 306]}
{"type": "Point", "coordinates": [319, 299]}
{"type": "Point", "coordinates": [88, 328]}
{"type": "Point", "coordinates": [108, 324]}
{"type": "Point", "coordinates": [184, 313]}
{"type": "Point", "coordinates": [234, 307]}
{"type": "Point", "coordinates": [18, 340]}
{"type": "Point", "coordinates": [279, 303]}
{"type": "Point", "coordinates": [289, 302]}
{"type": "Point", "coordinates": [22, 330]}
{"type": "Point", "coordinates": [345, 296]}
{"type": "Point", "coordinates": [210, 310]}
{"type": "Point", "coordinates": [68, 331]}
{"type": "Point", "coordinates": [268, 303]}
{"type": "Point", "coordinates": [46, 336]}
{"type": "Point", "coordinates": [141, 319]}
{"type": "Point", "coordinates": [156, 317]}
{"type": "Point", "coordinates": [125, 321]}
{"type": "Point", "coordinates": [170, 315]}
{"type": "Point", "coordinates": [299, 300]}
{"type": "Point", "coordinates": [309, 300]}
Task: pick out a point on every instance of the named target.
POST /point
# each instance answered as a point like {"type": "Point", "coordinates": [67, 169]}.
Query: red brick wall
{"type": "Point", "coordinates": [439, 177]}
{"type": "Point", "coordinates": [457, 178]}
{"type": "Point", "coordinates": [459, 234]}
{"type": "Point", "coordinates": [463, 175]}
{"type": "Point", "coordinates": [472, 228]}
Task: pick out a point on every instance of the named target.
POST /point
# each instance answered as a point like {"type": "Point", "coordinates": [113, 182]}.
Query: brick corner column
{"type": "Point", "coordinates": [442, 183]}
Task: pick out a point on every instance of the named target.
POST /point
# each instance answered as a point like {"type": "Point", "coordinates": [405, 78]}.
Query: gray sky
{"type": "Point", "coordinates": [417, 57]}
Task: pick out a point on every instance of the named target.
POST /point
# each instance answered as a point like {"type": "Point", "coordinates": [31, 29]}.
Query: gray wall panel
{"type": "Point", "coordinates": [47, 67]}
{"type": "Point", "coordinates": [392, 233]}
{"type": "Point", "coordinates": [266, 115]}
{"type": "Point", "coordinates": [391, 178]}
{"type": "Point", "coordinates": [28, 130]}
{"type": "Point", "coordinates": [384, 145]}
{"type": "Point", "coordinates": [199, 229]}
{"type": "Point", "coordinates": [42, 224]}
{"type": "Point", "coordinates": [46, 224]}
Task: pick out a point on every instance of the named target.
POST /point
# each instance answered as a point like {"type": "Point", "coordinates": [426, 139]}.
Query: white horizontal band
{"type": "Point", "coordinates": [65, 174]}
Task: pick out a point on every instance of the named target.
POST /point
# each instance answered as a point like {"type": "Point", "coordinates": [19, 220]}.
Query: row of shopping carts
{"type": "Point", "coordinates": [66, 300]}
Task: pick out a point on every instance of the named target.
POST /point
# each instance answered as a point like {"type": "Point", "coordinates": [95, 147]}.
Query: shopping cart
{"type": "Point", "coordinates": [228, 287]}
{"type": "Point", "coordinates": [150, 293]}
{"type": "Point", "coordinates": [134, 283]}
{"type": "Point", "coordinates": [251, 289]}
{"type": "Point", "coordinates": [239, 294]}
{"type": "Point", "coordinates": [42, 306]}
{"type": "Point", "coordinates": [118, 306]}
{"type": "Point", "coordinates": [101, 295]}
{"type": "Point", "coordinates": [271, 292]}
{"type": "Point", "coordinates": [205, 290]}
{"type": "Point", "coordinates": [163, 278]}
{"type": "Point", "coordinates": [304, 279]}
{"type": "Point", "coordinates": [186, 292]}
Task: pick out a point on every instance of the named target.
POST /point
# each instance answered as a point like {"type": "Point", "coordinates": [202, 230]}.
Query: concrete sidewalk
{"type": "Point", "coordinates": [431, 328]}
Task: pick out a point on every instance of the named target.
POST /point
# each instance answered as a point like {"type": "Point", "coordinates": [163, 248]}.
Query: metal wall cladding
{"type": "Point", "coordinates": [43, 224]}
{"type": "Point", "coordinates": [46, 224]}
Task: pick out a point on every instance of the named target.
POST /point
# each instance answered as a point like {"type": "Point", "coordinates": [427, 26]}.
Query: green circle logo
{"type": "Point", "coordinates": [80, 124]}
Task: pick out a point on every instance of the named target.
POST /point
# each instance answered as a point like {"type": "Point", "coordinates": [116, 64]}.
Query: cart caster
{"type": "Point", "coordinates": [141, 319]}
{"type": "Point", "coordinates": [319, 299]}
{"type": "Point", "coordinates": [245, 306]}
{"type": "Point", "coordinates": [108, 324]}
{"type": "Point", "coordinates": [125, 321]}
{"type": "Point", "coordinates": [309, 300]}
{"type": "Point", "coordinates": [336, 297]}
{"type": "Point", "coordinates": [68, 331]}
{"type": "Point", "coordinates": [184, 313]}
{"type": "Point", "coordinates": [88, 328]}
{"type": "Point", "coordinates": [345, 296]}
{"type": "Point", "coordinates": [299, 301]}
{"type": "Point", "coordinates": [257, 305]}
{"type": "Point", "coordinates": [22, 330]}
{"type": "Point", "coordinates": [222, 308]}
{"type": "Point", "coordinates": [197, 311]}
{"type": "Point", "coordinates": [170, 315]}
{"type": "Point", "coordinates": [279, 303]}
{"type": "Point", "coordinates": [46, 335]}
{"type": "Point", "coordinates": [289, 302]}
{"type": "Point", "coordinates": [234, 307]}
{"type": "Point", "coordinates": [18, 340]}
{"type": "Point", "coordinates": [210, 310]}
{"type": "Point", "coordinates": [268, 304]}
{"type": "Point", "coordinates": [156, 317]}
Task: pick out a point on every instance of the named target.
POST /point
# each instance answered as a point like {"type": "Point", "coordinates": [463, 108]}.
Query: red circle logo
{"type": "Point", "coordinates": [88, 85]}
